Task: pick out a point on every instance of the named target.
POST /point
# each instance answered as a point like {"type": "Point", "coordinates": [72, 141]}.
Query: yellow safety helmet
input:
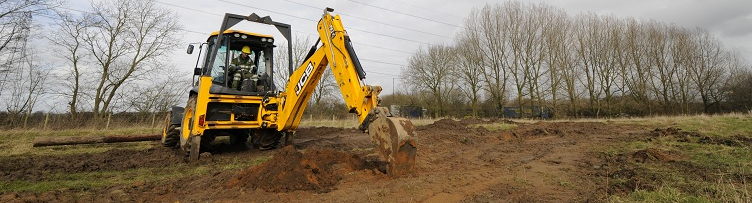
{"type": "Point", "coordinates": [246, 50]}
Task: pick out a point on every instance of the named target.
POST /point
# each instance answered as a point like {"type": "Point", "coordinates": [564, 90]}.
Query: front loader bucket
{"type": "Point", "coordinates": [395, 143]}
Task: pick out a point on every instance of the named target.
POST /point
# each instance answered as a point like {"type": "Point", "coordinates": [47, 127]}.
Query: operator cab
{"type": "Point", "coordinates": [228, 76]}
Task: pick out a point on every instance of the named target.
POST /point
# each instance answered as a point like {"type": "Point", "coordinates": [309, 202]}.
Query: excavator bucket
{"type": "Point", "coordinates": [395, 143]}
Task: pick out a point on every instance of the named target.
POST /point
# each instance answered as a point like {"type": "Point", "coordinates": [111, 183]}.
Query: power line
{"type": "Point", "coordinates": [375, 61]}
{"type": "Point", "coordinates": [382, 62]}
{"type": "Point", "coordinates": [407, 14]}
{"type": "Point", "coordinates": [375, 33]}
{"type": "Point", "coordinates": [191, 9]}
{"type": "Point", "coordinates": [191, 31]}
{"type": "Point", "coordinates": [373, 21]}
{"type": "Point", "coordinates": [270, 11]}
{"type": "Point", "coordinates": [449, 14]}
{"type": "Point", "coordinates": [363, 44]}
{"type": "Point", "coordinates": [71, 9]}
{"type": "Point", "coordinates": [380, 73]}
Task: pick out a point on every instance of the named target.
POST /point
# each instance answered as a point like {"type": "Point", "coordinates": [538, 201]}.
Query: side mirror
{"type": "Point", "coordinates": [190, 49]}
{"type": "Point", "coordinates": [197, 71]}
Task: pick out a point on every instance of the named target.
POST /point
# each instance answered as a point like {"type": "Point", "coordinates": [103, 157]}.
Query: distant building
{"type": "Point", "coordinates": [408, 111]}
{"type": "Point", "coordinates": [526, 112]}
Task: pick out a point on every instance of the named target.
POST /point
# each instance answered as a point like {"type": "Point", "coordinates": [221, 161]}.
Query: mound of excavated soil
{"type": "Point", "coordinates": [317, 170]}
{"type": "Point", "coordinates": [444, 124]}
{"type": "Point", "coordinates": [653, 155]}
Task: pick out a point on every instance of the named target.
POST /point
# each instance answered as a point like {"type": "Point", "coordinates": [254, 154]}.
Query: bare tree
{"type": "Point", "coordinates": [301, 47]}
{"type": "Point", "coordinates": [26, 84]}
{"type": "Point", "coordinates": [589, 43]}
{"type": "Point", "coordinates": [681, 55]}
{"type": "Point", "coordinates": [607, 59]}
{"type": "Point", "coordinates": [127, 39]}
{"type": "Point", "coordinates": [488, 24]}
{"type": "Point", "coordinates": [659, 59]}
{"type": "Point", "coordinates": [158, 93]}
{"type": "Point", "coordinates": [557, 59]}
{"type": "Point", "coordinates": [471, 67]}
{"type": "Point", "coordinates": [69, 37]}
{"type": "Point", "coordinates": [740, 82]}
{"type": "Point", "coordinates": [635, 71]}
{"type": "Point", "coordinates": [536, 18]}
{"type": "Point", "coordinates": [708, 69]}
{"type": "Point", "coordinates": [325, 88]}
{"type": "Point", "coordinates": [432, 69]}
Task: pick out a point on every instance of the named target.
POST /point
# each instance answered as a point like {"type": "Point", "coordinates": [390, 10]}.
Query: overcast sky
{"type": "Point", "coordinates": [386, 32]}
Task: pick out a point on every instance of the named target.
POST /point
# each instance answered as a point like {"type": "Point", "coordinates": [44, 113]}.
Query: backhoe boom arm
{"type": "Point", "coordinates": [393, 135]}
{"type": "Point", "coordinates": [336, 52]}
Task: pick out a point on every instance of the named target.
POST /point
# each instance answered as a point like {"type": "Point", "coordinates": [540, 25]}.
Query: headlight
{"type": "Point", "coordinates": [263, 39]}
{"type": "Point", "coordinates": [244, 36]}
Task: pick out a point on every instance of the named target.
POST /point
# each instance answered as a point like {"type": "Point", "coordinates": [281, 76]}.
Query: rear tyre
{"type": "Point", "coordinates": [239, 140]}
{"type": "Point", "coordinates": [267, 139]}
{"type": "Point", "coordinates": [170, 133]}
{"type": "Point", "coordinates": [171, 138]}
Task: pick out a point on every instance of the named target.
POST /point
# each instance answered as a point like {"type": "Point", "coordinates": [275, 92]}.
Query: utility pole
{"type": "Point", "coordinates": [392, 86]}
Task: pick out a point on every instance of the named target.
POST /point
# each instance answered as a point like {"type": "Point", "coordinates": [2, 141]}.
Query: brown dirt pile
{"type": "Point", "coordinates": [651, 155]}
{"type": "Point", "coordinates": [317, 170]}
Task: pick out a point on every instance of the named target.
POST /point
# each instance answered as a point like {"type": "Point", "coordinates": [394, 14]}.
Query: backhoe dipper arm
{"type": "Point", "coordinates": [335, 51]}
{"type": "Point", "coordinates": [393, 135]}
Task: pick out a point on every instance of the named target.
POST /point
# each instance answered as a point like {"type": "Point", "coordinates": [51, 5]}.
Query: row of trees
{"type": "Point", "coordinates": [535, 55]}
{"type": "Point", "coordinates": [110, 57]}
{"type": "Point", "coordinates": [113, 57]}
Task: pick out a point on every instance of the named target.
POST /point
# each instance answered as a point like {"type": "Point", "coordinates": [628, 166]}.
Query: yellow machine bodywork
{"type": "Point", "coordinates": [359, 98]}
{"type": "Point", "coordinates": [215, 109]}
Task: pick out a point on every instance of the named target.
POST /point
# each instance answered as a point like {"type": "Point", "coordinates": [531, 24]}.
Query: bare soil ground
{"type": "Point", "coordinates": [540, 162]}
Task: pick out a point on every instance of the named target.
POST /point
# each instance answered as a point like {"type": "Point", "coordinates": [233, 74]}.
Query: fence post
{"type": "Point", "coordinates": [109, 116]}
{"type": "Point", "coordinates": [46, 120]}
{"type": "Point", "coordinates": [153, 119]}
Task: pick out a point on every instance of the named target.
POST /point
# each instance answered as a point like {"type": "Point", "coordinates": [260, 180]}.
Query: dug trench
{"type": "Point", "coordinates": [458, 161]}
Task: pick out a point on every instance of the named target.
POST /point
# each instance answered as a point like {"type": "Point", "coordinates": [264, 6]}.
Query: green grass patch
{"type": "Point", "coordinates": [14, 134]}
{"type": "Point", "coordinates": [23, 147]}
{"type": "Point", "coordinates": [716, 125]}
{"type": "Point", "coordinates": [663, 194]}
{"type": "Point", "coordinates": [701, 171]}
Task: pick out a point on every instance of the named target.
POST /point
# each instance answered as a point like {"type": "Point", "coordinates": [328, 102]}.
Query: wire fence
{"type": "Point", "coordinates": [52, 121]}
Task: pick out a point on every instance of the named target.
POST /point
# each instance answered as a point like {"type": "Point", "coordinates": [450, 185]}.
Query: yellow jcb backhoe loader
{"type": "Point", "coordinates": [241, 101]}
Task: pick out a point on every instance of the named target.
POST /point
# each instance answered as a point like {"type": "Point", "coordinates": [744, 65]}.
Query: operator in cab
{"type": "Point", "coordinates": [242, 67]}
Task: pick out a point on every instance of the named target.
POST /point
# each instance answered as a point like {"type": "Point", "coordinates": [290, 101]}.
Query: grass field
{"type": "Point", "coordinates": [710, 162]}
